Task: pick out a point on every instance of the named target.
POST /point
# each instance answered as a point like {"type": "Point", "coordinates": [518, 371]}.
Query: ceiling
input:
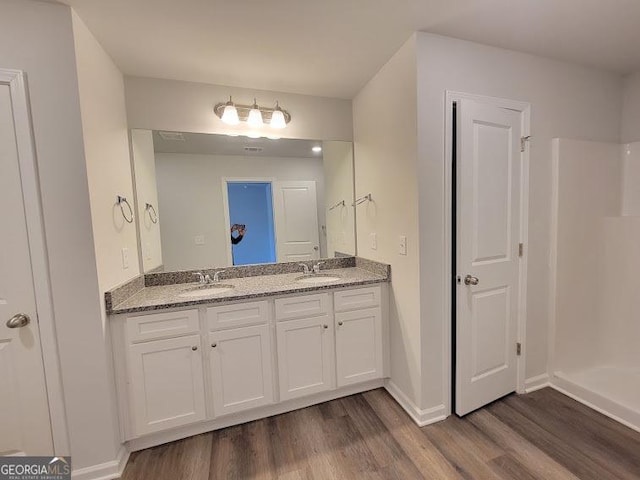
{"type": "Point", "coordinates": [332, 47]}
{"type": "Point", "coordinates": [208, 144]}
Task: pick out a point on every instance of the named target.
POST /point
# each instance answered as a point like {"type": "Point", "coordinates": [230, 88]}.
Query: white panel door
{"type": "Point", "coordinates": [305, 356]}
{"type": "Point", "coordinates": [488, 232]}
{"type": "Point", "coordinates": [296, 215]}
{"type": "Point", "coordinates": [166, 384]}
{"type": "Point", "coordinates": [358, 346]}
{"type": "Point", "coordinates": [24, 412]}
{"type": "Point", "coordinates": [241, 369]}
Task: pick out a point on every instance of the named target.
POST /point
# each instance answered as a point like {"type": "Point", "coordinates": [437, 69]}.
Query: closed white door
{"type": "Point", "coordinates": [25, 427]}
{"type": "Point", "coordinates": [358, 346]}
{"type": "Point", "coordinates": [305, 356]}
{"type": "Point", "coordinates": [166, 384]}
{"type": "Point", "coordinates": [488, 226]}
{"type": "Point", "coordinates": [296, 215]}
{"type": "Point", "coordinates": [241, 369]}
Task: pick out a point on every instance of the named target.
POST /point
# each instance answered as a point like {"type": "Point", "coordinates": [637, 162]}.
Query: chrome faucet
{"type": "Point", "coordinates": [316, 267]}
{"type": "Point", "coordinates": [216, 276]}
{"type": "Point", "coordinates": [201, 277]}
{"type": "Point", "coordinates": [305, 268]}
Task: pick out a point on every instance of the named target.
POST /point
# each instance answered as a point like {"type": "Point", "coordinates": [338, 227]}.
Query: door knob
{"type": "Point", "coordinates": [471, 280]}
{"type": "Point", "coordinates": [18, 321]}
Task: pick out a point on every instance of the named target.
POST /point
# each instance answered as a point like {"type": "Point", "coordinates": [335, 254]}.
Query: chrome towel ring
{"type": "Point", "coordinates": [153, 215]}
{"type": "Point", "coordinates": [123, 200]}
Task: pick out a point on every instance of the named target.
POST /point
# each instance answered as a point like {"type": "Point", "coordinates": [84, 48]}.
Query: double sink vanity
{"type": "Point", "coordinates": [199, 350]}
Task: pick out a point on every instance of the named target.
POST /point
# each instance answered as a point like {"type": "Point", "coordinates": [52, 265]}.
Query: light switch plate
{"type": "Point", "coordinates": [199, 239]}
{"type": "Point", "coordinates": [402, 245]}
{"type": "Point", "coordinates": [374, 241]}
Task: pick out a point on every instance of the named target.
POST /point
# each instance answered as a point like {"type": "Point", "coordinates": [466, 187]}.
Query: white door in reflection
{"type": "Point", "coordinates": [296, 214]}
{"type": "Point", "coordinates": [251, 222]}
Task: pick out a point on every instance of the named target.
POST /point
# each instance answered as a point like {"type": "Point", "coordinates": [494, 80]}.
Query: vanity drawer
{"type": "Point", "coordinates": [237, 315]}
{"type": "Point", "coordinates": [356, 299]}
{"type": "Point", "coordinates": [302, 307]}
{"type": "Point", "coordinates": [155, 326]}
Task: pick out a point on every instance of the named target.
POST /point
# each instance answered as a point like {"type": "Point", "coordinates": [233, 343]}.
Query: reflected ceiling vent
{"type": "Point", "coordinates": [253, 149]}
{"type": "Point", "coordinates": [173, 136]}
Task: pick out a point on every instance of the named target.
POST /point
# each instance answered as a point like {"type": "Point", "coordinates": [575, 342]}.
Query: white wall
{"type": "Point", "coordinates": [589, 176]}
{"type": "Point", "coordinates": [106, 143]}
{"type": "Point", "coordinates": [567, 101]}
{"type": "Point", "coordinates": [190, 201]}
{"type": "Point", "coordinates": [144, 166]}
{"type": "Point", "coordinates": [619, 328]}
{"type": "Point", "coordinates": [631, 109]}
{"type": "Point", "coordinates": [631, 179]}
{"type": "Point", "coordinates": [337, 159]}
{"type": "Point", "coordinates": [156, 104]}
{"type": "Point", "coordinates": [384, 114]}
{"type": "Point", "coordinates": [37, 37]}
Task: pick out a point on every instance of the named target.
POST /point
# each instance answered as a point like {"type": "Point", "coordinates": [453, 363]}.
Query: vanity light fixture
{"type": "Point", "coordinates": [277, 118]}
{"type": "Point", "coordinates": [255, 116]}
{"type": "Point", "coordinates": [316, 149]}
{"type": "Point", "coordinates": [230, 113]}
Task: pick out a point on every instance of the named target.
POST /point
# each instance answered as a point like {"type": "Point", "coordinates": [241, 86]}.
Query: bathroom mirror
{"type": "Point", "coordinates": [205, 200]}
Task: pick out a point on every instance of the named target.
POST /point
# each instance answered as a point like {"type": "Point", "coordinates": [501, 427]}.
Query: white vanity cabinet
{"type": "Point", "coordinates": [240, 359]}
{"type": "Point", "coordinates": [165, 375]}
{"type": "Point", "coordinates": [306, 359]}
{"type": "Point", "coordinates": [359, 331]}
{"type": "Point", "coordinates": [186, 371]}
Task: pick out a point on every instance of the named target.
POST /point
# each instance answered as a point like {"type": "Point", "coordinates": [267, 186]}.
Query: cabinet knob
{"type": "Point", "coordinates": [325, 326]}
{"type": "Point", "coordinates": [341, 323]}
{"type": "Point", "coordinates": [214, 345]}
{"type": "Point", "coordinates": [194, 348]}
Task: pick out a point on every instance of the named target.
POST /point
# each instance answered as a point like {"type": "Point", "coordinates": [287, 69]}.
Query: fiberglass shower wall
{"type": "Point", "coordinates": [597, 309]}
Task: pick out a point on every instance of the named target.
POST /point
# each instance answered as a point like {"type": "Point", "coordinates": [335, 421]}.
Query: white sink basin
{"type": "Point", "coordinates": [317, 279]}
{"type": "Point", "coordinates": [206, 291]}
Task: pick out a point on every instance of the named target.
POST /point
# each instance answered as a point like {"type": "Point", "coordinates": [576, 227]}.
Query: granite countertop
{"type": "Point", "coordinates": [167, 296]}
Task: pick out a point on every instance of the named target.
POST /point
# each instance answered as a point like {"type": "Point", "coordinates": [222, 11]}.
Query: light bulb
{"type": "Point", "coordinates": [317, 149]}
{"type": "Point", "coordinates": [277, 118]}
{"type": "Point", "coordinates": [255, 116]}
{"type": "Point", "coordinates": [230, 114]}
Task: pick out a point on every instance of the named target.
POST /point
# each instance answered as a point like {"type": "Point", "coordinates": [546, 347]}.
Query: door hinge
{"type": "Point", "coordinates": [523, 142]}
{"type": "Point", "coordinates": [518, 349]}
{"type": "Point", "coordinates": [520, 249]}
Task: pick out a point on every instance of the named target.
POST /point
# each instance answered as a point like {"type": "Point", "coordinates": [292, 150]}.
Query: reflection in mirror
{"type": "Point", "coordinates": [206, 201]}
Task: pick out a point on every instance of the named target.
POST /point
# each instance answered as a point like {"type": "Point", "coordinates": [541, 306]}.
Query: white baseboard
{"type": "Point", "coordinates": [536, 383]}
{"type": "Point", "coordinates": [597, 402]}
{"type": "Point", "coordinates": [420, 416]}
{"type": "Point", "coordinates": [104, 471]}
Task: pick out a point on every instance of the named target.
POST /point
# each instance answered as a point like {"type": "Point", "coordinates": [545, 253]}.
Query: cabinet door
{"type": "Point", "coordinates": [241, 369]}
{"type": "Point", "coordinates": [305, 356]}
{"type": "Point", "coordinates": [358, 346]}
{"type": "Point", "coordinates": [166, 384]}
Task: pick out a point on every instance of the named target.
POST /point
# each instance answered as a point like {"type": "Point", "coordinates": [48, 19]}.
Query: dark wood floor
{"type": "Point", "coordinates": [543, 435]}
